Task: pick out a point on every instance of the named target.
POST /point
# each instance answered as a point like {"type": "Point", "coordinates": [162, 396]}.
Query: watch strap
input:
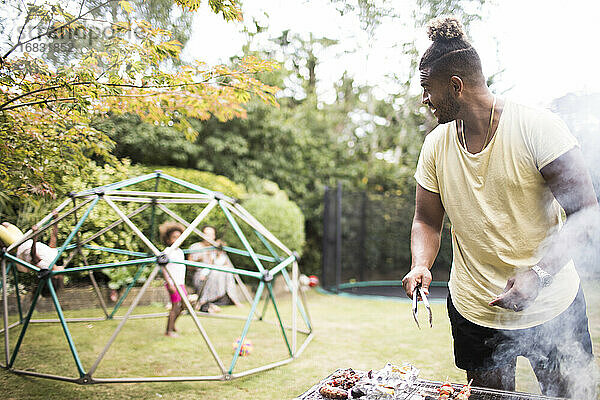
{"type": "Point", "coordinates": [545, 278]}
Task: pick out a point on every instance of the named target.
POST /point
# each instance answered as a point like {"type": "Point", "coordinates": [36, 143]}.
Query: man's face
{"type": "Point", "coordinates": [439, 97]}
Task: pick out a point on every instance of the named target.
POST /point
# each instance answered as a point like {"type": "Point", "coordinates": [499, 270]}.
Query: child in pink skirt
{"type": "Point", "coordinates": [169, 232]}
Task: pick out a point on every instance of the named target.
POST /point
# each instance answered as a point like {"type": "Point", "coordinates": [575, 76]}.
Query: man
{"type": "Point", "coordinates": [497, 169]}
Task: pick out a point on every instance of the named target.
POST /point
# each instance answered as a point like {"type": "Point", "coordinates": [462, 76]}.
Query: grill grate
{"type": "Point", "coordinates": [478, 393]}
{"type": "Point", "coordinates": [431, 387]}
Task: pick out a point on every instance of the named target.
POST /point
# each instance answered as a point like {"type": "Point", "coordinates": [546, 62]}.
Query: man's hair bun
{"type": "Point", "coordinates": [445, 28]}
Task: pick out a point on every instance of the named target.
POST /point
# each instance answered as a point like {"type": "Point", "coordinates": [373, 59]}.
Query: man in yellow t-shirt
{"type": "Point", "coordinates": [502, 171]}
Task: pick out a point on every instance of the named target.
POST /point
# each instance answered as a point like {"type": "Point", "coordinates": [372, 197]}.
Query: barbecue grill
{"type": "Point", "coordinates": [431, 387]}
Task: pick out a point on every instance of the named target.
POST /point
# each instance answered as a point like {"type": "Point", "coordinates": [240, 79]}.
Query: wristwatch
{"type": "Point", "coordinates": [545, 278]}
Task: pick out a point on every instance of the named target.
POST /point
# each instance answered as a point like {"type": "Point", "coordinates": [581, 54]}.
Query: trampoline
{"type": "Point", "coordinates": [390, 290]}
{"type": "Point", "coordinates": [366, 245]}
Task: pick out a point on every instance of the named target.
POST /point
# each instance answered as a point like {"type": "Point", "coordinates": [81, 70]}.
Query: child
{"type": "Point", "coordinates": [34, 252]}
{"type": "Point", "coordinates": [169, 232]}
{"type": "Point", "coordinates": [219, 286]}
{"type": "Point", "coordinates": [203, 252]}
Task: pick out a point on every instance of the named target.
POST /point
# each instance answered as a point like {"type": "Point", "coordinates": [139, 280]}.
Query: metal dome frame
{"type": "Point", "coordinates": [114, 193]}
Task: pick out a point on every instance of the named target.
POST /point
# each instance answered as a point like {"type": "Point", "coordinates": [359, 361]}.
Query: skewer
{"type": "Point", "coordinates": [446, 390]}
{"type": "Point", "coordinates": [465, 392]}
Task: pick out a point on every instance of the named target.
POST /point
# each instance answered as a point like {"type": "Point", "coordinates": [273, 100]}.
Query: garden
{"type": "Point", "coordinates": [292, 131]}
{"type": "Point", "coordinates": [344, 328]}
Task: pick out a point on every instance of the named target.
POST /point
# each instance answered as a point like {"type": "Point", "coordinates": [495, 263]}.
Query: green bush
{"type": "Point", "coordinates": [121, 237]}
{"type": "Point", "coordinates": [30, 211]}
{"type": "Point", "coordinates": [206, 180]}
{"type": "Point", "coordinates": [101, 216]}
{"type": "Point", "coordinates": [279, 215]}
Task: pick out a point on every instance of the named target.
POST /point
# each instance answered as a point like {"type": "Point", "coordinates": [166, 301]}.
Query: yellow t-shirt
{"type": "Point", "coordinates": [501, 212]}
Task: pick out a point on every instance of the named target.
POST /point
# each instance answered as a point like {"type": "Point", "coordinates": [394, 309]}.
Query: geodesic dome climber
{"type": "Point", "coordinates": [138, 204]}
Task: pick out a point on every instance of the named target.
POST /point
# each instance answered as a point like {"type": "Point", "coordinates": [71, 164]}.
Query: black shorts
{"type": "Point", "coordinates": [560, 342]}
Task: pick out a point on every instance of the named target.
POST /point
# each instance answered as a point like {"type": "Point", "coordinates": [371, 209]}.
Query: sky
{"type": "Point", "coordinates": [545, 47]}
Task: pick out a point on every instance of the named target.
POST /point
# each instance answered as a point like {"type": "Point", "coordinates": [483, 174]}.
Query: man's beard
{"type": "Point", "coordinates": [447, 110]}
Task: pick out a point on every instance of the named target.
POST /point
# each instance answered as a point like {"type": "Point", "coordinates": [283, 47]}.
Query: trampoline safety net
{"type": "Point", "coordinates": [366, 238]}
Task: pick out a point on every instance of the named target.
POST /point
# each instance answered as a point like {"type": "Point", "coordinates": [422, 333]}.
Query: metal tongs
{"type": "Point", "coordinates": [418, 292]}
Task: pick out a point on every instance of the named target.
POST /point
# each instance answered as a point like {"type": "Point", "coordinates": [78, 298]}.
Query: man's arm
{"type": "Point", "coordinates": [571, 184]}
{"type": "Point", "coordinates": [425, 239]}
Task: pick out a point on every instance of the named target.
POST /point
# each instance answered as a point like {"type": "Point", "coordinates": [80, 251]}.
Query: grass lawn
{"type": "Point", "coordinates": [349, 332]}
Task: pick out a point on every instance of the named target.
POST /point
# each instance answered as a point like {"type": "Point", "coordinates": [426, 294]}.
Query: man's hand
{"type": "Point", "coordinates": [417, 275]}
{"type": "Point", "coordinates": [520, 291]}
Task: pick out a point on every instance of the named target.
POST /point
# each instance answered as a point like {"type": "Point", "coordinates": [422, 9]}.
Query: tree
{"type": "Point", "coordinates": [367, 142]}
{"type": "Point", "coordinates": [47, 108]}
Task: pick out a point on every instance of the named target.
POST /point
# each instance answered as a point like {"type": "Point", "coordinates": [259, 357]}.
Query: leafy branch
{"type": "Point", "coordinates": [5, 106]}
{"type": "Point", "coordinates": [48, 111]}
{"type": "Point", "coordinates": [49, 31]}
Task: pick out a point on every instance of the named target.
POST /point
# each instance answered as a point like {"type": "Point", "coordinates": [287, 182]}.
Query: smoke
{"type": "Point", "coordinates": [559, 351]}
{"type": "Point", "coordinates": [581, 113]}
